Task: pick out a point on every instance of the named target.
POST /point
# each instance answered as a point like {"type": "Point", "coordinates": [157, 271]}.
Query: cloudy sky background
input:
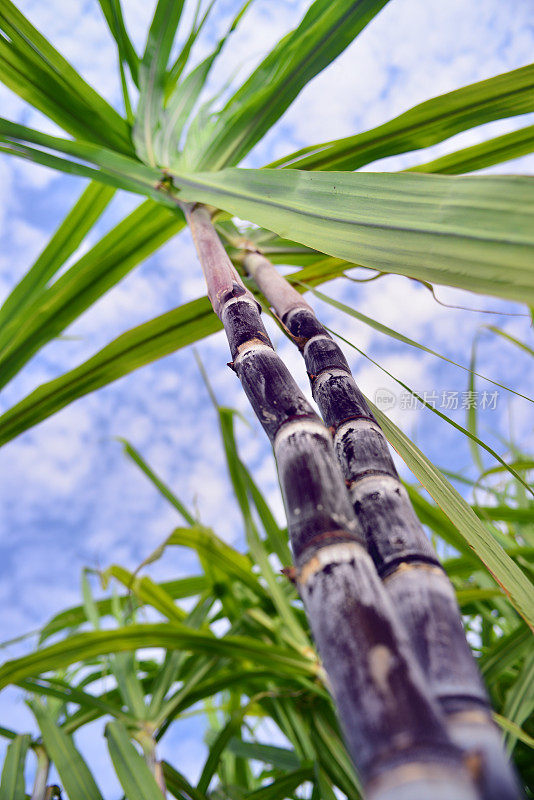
{"type": "Point", "coordinates": [68, 495]}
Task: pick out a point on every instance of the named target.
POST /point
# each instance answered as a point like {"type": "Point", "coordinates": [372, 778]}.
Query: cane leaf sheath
{"type": "Point", "coordinates": [390, 722]}
{"type": "Point", "coordinates": [420, 590]}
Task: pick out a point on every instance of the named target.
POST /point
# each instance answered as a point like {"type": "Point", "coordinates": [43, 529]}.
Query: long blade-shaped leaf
{"type": "Point", "coordinates": [134, 238]}
{"type": "Point", "coordinates": [133, 349]}
{"type": "Point", "coordinates": [281, 787]}
{"type": "Point", "coordinates": [73, 771]}
{"type": "Point", "coordinates": [180, 64]}
{"type": "Point", "coordinates": [75, 616]}
{"type": "Point", "coordinates": [323, 33]}
{"type": "Point", "coordinates": [162, 488]}
{"type": "Point", "coordinates": [152, 75]}
{"type": "Point", "coordinates": [519, 703]}
{"type": "Point", "coordinates": [479, 156]}
{"type": "Point", "coordinates": [128, 173]}
{"type": "Point", "coordinates": [185, 95]}
{"type": "Point", "coordinates": [12, 784]}
{"type": "Point", "coordinates": [72, 231]}
{"type": "Point", "coordinates": [82, 646]}
{"type": "Point", "coordinates": [475, 233]}
{"type": "Point", "coordinates": [112, 11]}
{"type": "Point", "coordinates": [426, 124]}
{"type": "Point", "coordinates": [33, 68]}
{"type": "Point", "coordinates": [134, 775]}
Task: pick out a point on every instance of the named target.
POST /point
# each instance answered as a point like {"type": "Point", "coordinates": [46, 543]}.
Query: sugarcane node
{"type": "Point", "coordinates": [310, 565]}
{"type": "Point", "coordinates": [258, 341]}
{"type": "Point", "coordinates": [411, 773]}
{"type": "Point", "coordinates": [406, 566]}
{"type": "Point", "coordinates": [353, 418]}
{"type": "Point", "coordinates": [290, 573]}
{"type": "Point", "coordinates": [228, 294]}
{"type": "Point", "coordinates": [369, 473]}
{"type": "Point", "coordinates": [166, 182]}
{"type": "Point", "coordinates": [474, 762]}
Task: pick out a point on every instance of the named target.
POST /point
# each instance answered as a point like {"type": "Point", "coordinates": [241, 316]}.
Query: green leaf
{"type": "Point", "coordinates": [54, 687]}
{"type": "Point", "coordinates": [32, 68]}
{"type": "Point", "coordinates": [277, 538]}
{"type": "Point", "coordinates": [480, 156]}
{"type": "Point", "coordinates": [180, 63]}
{"type": "Point", "coordinates": [232, 727]}
{"type": "Point", "coordinates": [213, 552]}
{"type": "Point", "coordinates": [118, 170]}
{"type": "Point", "coordinates": [505, 653]}
{"type": "Point", "coordinates": [511, 339]}
{"type": "Point", "coordinates": [7, 733]}
{"type": "Point", "coordinates": [184, 97]}
{"type": "Point", "coordinates": [519, 703]}
{"type": "Point", "coordinates": [125, 670]}
{"type": "Point", "coordinates": [89, 604]}
{"type": "Point", "coordinates": [508, 575]}
{"type": "Point", "coordinates": [279, 757]}
{"type": "Point", "coordinates": [67, 238]}
{"type": "Point", "coordinates": [471, 410]}
{"type": "Point", "coordinates": [432, 515]}
{"type": "Point", "coordinates": [98, 270]}
{"type": "Point", "coordinates": [82, 646]}
{"type": "Point", "coordinates": [324, 32]}
{"type": "Point", "coordinates": [152, 75]}
{"type": "Point", "coordinates": [12, 783]}
{"type": "Point", "coordinates": [426, 124]}
{"type": "Point", "coordinates": [178, 785]}
{"type": "Point", "coordinates": [134, 775]}
{"type": "Point", "coordinates": [513, 729]}
{"type": "Point", "coordinates": [458, 231]}
{"type": "Point", "coordinates": [162, 488]}
{"type": "Point", "coordinates": [282, 787]}
{"type": "Point", "coordinates": [75, 616]}
{"type": "Point", "coordinates": [73, 771]}
{"type": "Point", "coordinates": [148, 592]}
{"type": "Point", "coordinates": [505, 513]}
{"type": "Point", "coordinates": [112, 11]}
{"type": "Point", "coordinates": [133, 349]}
{"type": "Point", "coordinates": [468, 596]}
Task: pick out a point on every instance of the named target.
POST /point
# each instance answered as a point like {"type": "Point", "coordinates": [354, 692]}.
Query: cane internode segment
{"type": "Point", "coordinates": [418, 587]}
{"type": "Point", "coordinates": [390, 720]}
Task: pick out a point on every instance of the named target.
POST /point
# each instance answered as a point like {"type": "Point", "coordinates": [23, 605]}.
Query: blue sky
{"type": "Point", "coordinates": [69, 497]}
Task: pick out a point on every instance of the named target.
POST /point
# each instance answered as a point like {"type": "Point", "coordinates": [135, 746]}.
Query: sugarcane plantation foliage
{"type": "Point", "coordinates": [386, 672]}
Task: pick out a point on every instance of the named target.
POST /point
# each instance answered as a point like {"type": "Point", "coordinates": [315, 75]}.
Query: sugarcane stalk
{"type": "Point", "coordinates": [394, 730]}
{"type": "Point", "coordinates": [146, 738]}
{"type": "Point", "coordinates": [410, 570]}
{"type": "Point", "coordinates": [41, 773]}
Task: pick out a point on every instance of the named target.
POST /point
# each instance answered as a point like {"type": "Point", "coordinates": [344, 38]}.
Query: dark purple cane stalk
{"type": "Point", "coordinates": [410, 570]}
{"type": "Point", "coordinates": [394, 731]}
